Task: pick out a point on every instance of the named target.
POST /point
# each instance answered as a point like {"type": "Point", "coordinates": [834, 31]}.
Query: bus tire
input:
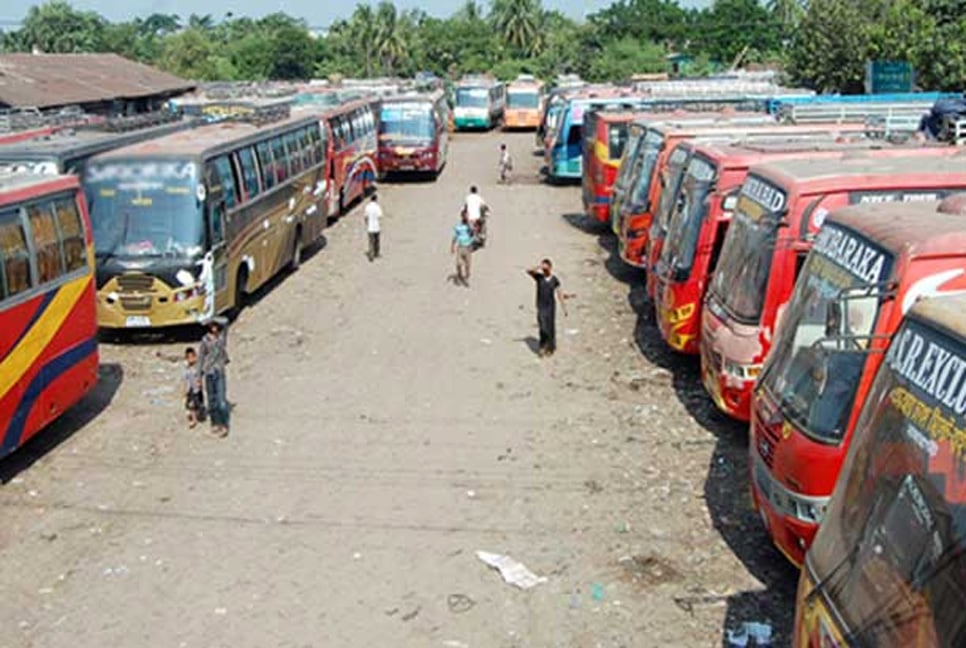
{"type": "Point", "coordinates": [240, 294]}
{"type": "Point", "coordinates": [296, 251]}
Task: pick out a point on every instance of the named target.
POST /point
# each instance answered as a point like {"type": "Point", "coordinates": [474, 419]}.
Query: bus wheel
{"type": "Point", "coordinates": [296, 251]}
{"type": "Point", "coordinates": [240, 294]}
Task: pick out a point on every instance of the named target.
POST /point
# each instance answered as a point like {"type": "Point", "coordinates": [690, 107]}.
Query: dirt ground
{"type": "Point", "coordinates": [387, 425]}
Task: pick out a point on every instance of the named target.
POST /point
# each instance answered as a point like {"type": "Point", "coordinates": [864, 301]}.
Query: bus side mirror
{"type": "Point", "coordinates": [729, 203]}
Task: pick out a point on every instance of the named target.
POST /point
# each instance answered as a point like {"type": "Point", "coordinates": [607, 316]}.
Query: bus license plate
{"type": "Point", "coordinates": [138, 321]}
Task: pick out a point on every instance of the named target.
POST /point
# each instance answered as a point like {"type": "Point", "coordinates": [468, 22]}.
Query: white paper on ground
{"type": "Point", "coordinates": [513, 572]}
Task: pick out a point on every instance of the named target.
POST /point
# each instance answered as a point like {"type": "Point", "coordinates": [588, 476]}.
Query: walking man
{"type": "Point", "coordinates": [213, 364]}
{"type": "Point", "coordinates": [462, 247]}
{"type": "Point", "coordinates": [373, 226]}
{"type": "Point", "coordinates": [506, 164]}
{"type": "Point", "coordinates": [476, 211]}
{"type": "Point", "coordinates": [548, 294]}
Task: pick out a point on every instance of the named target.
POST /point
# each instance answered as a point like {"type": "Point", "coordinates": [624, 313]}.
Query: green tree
{"type": "Point", "coordinates": [657, 21]}
{"type": "Point", "coordinates": [621, 59]}
{"type": "Point", "coordinates": [56, 27]}
{"type": "Point", "coordinates": [519, 23]}
{"type": "Point", "coordinates": [390, 37]}
{"type": "Point", "coordinates": [829, 49]}
{"type": "Point", "coordinates": [189, 54]}
{"type": "Point", "coordinates": [737, 28]}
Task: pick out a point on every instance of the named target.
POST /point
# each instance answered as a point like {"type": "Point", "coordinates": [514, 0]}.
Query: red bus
{"type": "Point", "coordinates": [779, 209]}
{"type": "Point", "coordinates": [48, 348]}
{"type": "Point", "coordinates": [888, 566]}
{"type": "Point", "coordinates": [351, 141]}
{"type": "Point", "coordinates": [868, 266]}
{"type": "Point", "coordinates": [413, 133]}
{"type": "Point", "coordinates": [605, 134]}
{"type": "Point", "coordinates": [695, 231]}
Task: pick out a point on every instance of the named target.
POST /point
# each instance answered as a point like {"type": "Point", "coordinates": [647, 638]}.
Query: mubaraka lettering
{"type": "Point", "coordinates": [764, 194]}
{"type": "Point", "coordinates": [933, 368]}
{"type": "Point", "coordinates": [852, 253]}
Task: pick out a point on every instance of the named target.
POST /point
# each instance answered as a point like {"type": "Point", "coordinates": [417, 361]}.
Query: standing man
{"type": "Point", "coordinates": [373, 226]}
{"type": "Point", "coordinates": [213, 364]}
{"type": "Point", "coordinates": [506, 164]}
{"type": "Point", "coordinates": [462, 247]}
{"type": "Point", "coordinates": [548, 294]}
{"type": "Point", "coordinates": [476, 211]}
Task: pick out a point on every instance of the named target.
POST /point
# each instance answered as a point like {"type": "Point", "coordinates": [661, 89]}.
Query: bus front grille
{"type": "Point", "coordinates": [136, 303]}
{"type": "Point", "coordinates": [135, 282]}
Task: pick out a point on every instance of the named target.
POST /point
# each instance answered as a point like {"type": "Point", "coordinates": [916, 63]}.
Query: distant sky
{"type": "Point", "coordinates": [318, 13]}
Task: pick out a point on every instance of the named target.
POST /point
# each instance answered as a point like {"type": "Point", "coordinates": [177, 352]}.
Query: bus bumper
{"type": "Point", "coordinates": [469, 123]}
{"type": "Point", "coordinates": [155, 306]}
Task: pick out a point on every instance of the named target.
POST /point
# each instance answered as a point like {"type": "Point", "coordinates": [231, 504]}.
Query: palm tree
{"type": "Point", "coordinates": [518, 22]}
{"type": "Point", "coordinates": [391, 42]}
{"type": "Point", "coordinates": [362, 30]}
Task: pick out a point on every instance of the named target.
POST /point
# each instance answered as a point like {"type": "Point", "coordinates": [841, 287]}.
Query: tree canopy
{"type": "Point", "coordinates": [822, 44]}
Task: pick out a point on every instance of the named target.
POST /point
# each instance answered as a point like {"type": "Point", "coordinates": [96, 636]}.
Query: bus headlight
{"type": "Point", "coordinates": [740, 371]}
{"type": "Point", "coordinates": [184, 294]}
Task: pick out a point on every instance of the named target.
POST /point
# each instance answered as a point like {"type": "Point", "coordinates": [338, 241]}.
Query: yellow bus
{"type": "Point", "coordinates": [187, 225]}
{"type": "Point", "coordinates": [524, 104]}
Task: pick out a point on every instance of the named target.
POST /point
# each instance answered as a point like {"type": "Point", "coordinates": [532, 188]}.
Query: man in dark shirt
{"type": "Point", "coordinates": [548, 294]}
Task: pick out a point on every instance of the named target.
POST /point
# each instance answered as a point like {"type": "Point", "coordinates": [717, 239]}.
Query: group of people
{"type": "Point", "coordinates": [205, 379]}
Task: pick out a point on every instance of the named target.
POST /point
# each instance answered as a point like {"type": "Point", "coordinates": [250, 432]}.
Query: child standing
{"type": "Point", "coordinates": [194, 400]}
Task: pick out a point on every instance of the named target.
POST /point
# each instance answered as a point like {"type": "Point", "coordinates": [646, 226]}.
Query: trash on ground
{"type": "Point", "coordinates": [513, 572]}
{"type": "Point", "coordinates": [471, 494]}
{"type": "Point", "coordinates": [453, 643]}
{"type": "Point", "coordinates": [760, 633]}
{"type": "Point", "coordinates": [689, 603]}
{"type": "Point", "coordinates": [597, 592]}
{"type": "Point", "coordinates": [459, 603]}
{"type": "Point", "coordinates": [409, 616]}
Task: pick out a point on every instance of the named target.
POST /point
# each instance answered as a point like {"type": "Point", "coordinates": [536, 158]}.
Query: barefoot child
{"type": "Point", "coordinates": [194, 400]}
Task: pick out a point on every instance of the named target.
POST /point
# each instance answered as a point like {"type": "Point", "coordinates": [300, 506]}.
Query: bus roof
{"type": "Point", "coordinates": [15, 187]}
{"type": "Point", "coordinates": [743, 153]}
{"type": "Point", "coordinates": [525, 84]}
{"type": "Point", "coordinates": [196, 142]}
{"type": "Point", "coordinates": [947, 312]}
{"type": "Point", "coordinates": [413, 96]}
{"type": "Point", "coordinates": [920, 165]}
{"type": "Point", "coordinates": [71, 143]}
{"type": "Point", "coordinates": [915, 229]}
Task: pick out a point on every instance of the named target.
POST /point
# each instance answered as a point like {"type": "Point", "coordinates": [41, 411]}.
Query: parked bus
{"type": "Point", "coordinates": [888, 566]}
{"type": "Point", "coordinates": [66, 151]}
{"type": "Point", "coordinates": [48, 344]}
{"type": "Point", "coordinates": [868, 265]}
{"type": "Point", "coordinates": [187, 225]}
{"type": "Point", "coordinates": [524, 104]}
{"type": "Point", "coordinates": [351, 149]}
{"type": "Point", "coordinates": [605, 135]}
{"type": "Point", "coordinates": [779, 209]}
{"type": "Point", "coordinates": [702, 213]}
{"type": "Point", "coordinates": [413, 133]}
{"type": "Point", "coordinates": [480, 103]}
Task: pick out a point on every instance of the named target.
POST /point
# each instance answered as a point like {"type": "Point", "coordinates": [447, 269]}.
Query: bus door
{"type": "Point", "coordinates": [214, 265]}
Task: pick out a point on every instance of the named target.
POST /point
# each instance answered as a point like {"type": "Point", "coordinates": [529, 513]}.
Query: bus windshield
{"type": "Point", "coordinates": [523, 99]}
{"type": "Point", "coordinates": [145, 208]}
{"type": "Point", "coordinates": [629, 160]}
{"type": "Point", "coordinates": [616, 138]}
{"type": "Point", "coordinates": [676, 166]}
{"type": "Point", "coordinates": [683, 229]}
{"type": "Point", "coordinates": [642, 179]}
{"type": "Point", "coordinates": [472, 97]}
{"type": "Point", "coordinates": [890, 552]}
{"type": "Point", "coordinates": [406, 122]}
{"type": "Point", "coordinates": [819, 352]}
{"type": "Point", "coordinates": [742, 276]}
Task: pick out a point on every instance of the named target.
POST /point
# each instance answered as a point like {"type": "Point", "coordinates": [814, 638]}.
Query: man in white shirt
{"type": "Point", "coordinates": [476, 211]}
{"type": "Point", "coordinates": [373, 216]}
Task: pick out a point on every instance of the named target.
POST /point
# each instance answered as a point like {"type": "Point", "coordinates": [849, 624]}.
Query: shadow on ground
{"type": "Point", "coordinates": [110, 377]}
{"type": "Point", "coordinates": [726, 488]}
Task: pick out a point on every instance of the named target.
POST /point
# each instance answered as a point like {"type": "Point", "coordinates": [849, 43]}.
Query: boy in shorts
{"type": "Point", "coordinates": [194, 400]}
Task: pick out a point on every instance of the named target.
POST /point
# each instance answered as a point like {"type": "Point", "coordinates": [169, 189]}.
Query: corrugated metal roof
{"type": "Point", "coordinates": [47, 80]}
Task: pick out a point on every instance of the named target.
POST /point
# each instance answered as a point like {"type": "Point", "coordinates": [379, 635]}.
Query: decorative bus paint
{"type": "Point", "coordinates": [48, 345]}
{"type": "Point", "coordinates": [187, 225]}
{"type": "Point", "coordinates": [868, 266]}
{"type": "Point", "coordinates": [524, 104]}
{"type": "Point", "coordinates": [413, 133]}
{"type": "Point", "coordinates": [351, 152]}
{"type": "Point", "coordinates": [479, 103]}
{"type": "Point", "coordinates": [889, 562]}
{"type": "Point", "coordinates": [66, 151]}
{"type": "Point", "coordinates": [779, 209]}
{"type": "Point", "coordinates": [700, 219]}
{"type": "Point", "coordinates": [605, 136]}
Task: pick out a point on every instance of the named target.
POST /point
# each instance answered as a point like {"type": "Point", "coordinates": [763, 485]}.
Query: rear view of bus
{"type": "Point", "coordinates": [413, 134]}
{"type": "Point", "coordinates": [48, 326]}
{"type": "Point", "coordinates": [888, 566]}
{"type": "Point", "coordinates": [479, 103]}
{"type": "Point", "coordinates": [524, 104]}
{"type": "Point", "coordinates": [605, 134]}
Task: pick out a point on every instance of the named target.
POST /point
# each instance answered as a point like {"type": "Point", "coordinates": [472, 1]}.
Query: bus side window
{"type": "Point", "coordinates": [294, 154]}
{"type": "Point", "coordinates": [215, 205]}
{"type": "Point", "coordinates": [264, 153]}
{"type": "Point", "coordinates": [305, 146]}
{"type": "Point", "coordinates": [249, 171]}
{"type": "Point", "coordinates": [281, 159]}
{"type": "Point", "coordinates": [71, 232]}
{"type": "Point", "coordinates": [14, 255]}
{"type": "Point", "coordinates": [227, 178]}
{"type": "Point", "coordinates": [316, 146]}
{"type": "Point", "coordinates": [50, 263]}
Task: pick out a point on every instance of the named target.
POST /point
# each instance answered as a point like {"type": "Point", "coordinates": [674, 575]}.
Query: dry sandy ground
{"type": "Point", "coordinates": [388, 425]}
